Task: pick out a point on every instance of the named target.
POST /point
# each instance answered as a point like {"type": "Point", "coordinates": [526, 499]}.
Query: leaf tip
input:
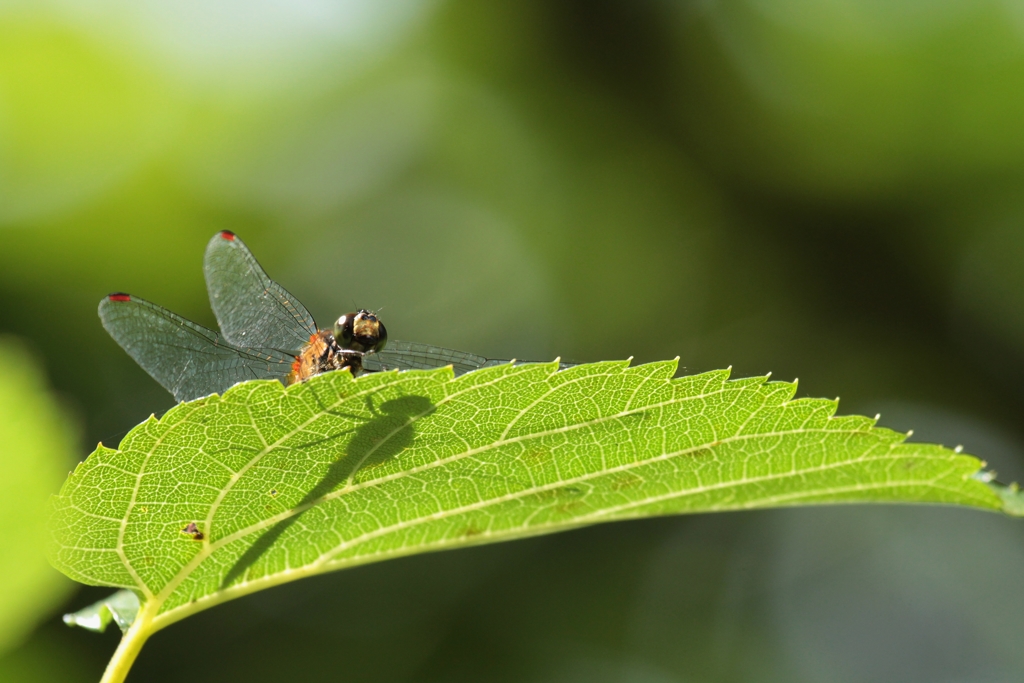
{"type": "Point", "coordinates": [1011, 497]}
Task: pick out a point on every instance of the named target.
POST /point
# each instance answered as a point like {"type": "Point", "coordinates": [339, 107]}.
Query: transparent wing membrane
{"type": "Point", "coordinates": [252, 310]}
{"type": "Point", "coordinates": [185, 358]}
{"type": "Point", "coordinates": [263, 328]}
{"type": "Point", "coordinates": [403, 355]}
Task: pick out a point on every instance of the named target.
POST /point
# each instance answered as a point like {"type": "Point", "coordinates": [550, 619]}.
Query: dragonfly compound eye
{"type": "Point", "coordinates": [382, 338]}
{"type": "Point", "coordinates": [343, 330]}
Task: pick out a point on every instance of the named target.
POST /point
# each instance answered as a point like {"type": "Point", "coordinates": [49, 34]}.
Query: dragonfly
{"type": "Point", "coordinates": [265, 333]}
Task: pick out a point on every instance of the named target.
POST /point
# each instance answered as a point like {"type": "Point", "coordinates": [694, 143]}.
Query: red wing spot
{"type": "Point", "coordinates": [228, 235]}
{"type": "Point", "coordinates": [119, 296]}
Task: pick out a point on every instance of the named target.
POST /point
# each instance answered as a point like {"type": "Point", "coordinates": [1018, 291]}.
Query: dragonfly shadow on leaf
{"type": "Point", "coordinates": [387, 431]}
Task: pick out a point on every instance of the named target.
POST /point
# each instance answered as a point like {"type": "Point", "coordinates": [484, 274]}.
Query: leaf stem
{"type": "Point", "coordinates": [131, 643]}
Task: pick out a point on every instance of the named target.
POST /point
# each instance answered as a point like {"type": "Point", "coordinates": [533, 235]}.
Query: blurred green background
{"type": "Point", "coordinates": [824, 189]}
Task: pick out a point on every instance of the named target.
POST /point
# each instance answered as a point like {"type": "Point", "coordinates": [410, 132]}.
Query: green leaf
{"type": "Point", "coordinates": [35, 451]}
{"type": "Point", "coordinates": [227, 495]}
{"type": "Point", "coordinates": [120, 607]}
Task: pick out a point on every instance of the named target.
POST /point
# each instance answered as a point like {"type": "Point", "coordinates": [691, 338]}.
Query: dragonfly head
{"type": "Point", "coordinates": [360, 331]}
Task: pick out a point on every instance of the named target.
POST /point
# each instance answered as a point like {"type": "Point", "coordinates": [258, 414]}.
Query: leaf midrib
{"type": "Point", "coordinates": [209, 546]}
{"type": "Point", "coordinates": [269, 580]}
{"type": "Point", "coordinates": [212, 546]}
{"type": "Point", "coordinates": [625, 467]}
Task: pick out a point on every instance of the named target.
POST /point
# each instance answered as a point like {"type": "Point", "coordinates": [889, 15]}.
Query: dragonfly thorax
{"type": "Point", "coordinates": [321, 354]}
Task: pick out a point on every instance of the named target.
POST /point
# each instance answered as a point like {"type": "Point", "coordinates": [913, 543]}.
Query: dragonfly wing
{"type": "Point", "coordinates": [403, 355]}
{"type": "Point", "coordinates": [252, 310]}
{"type": "Point", "coordinates": [186, 359]}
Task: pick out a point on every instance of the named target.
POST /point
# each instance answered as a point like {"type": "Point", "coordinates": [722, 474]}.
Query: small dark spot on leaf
{"type": "Point", "coordinates": [193, 530]}
{"type": "Point", "coordinates": [472, 531]}
{"type": "Point", "coordinates": [273, 492]}
{"type": "Point", "coordinates": [701, 452]}
{"type": "Point", "coordinates": [908, 464]}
